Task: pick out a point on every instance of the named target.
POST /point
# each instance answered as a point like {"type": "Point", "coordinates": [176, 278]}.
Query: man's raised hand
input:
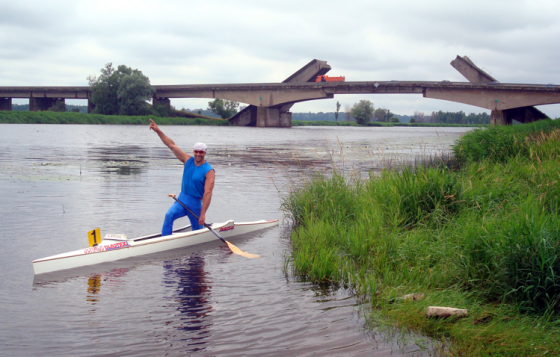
{"type": "Point", "coordinates": [153, 126]}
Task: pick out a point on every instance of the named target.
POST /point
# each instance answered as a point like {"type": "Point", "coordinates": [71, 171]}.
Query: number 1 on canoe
{"type": "Point", "coordinates": [94, 237]}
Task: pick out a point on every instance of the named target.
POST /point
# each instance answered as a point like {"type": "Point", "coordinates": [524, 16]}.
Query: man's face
{"type": "Point", "coordinates": [199, 155]}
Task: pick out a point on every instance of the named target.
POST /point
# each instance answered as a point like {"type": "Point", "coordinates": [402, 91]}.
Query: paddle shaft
{"type": "Point", "coordinates": [205, 224]}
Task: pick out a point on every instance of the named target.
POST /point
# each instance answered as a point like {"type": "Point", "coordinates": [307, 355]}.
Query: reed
{"type": "Point", "coordinates": [483, 236]}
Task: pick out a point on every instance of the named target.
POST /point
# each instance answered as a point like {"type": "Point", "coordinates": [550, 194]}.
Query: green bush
{"type": "Point", "coordinates": [363, 111]}
{"type": "Point", "coordinates": [59, 106]}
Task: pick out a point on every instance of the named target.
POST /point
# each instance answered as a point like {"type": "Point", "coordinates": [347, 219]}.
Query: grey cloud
{"type": "Point", "coordinates": [14, 16]}
{"type": "Point", "coordinates": [254, 41]}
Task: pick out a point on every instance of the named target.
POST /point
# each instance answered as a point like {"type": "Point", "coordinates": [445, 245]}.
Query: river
{"type": "Point", "coordinates": [59, 181]}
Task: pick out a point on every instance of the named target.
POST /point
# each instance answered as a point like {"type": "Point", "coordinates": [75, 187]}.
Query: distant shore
{"type": "Point", "coordinates": [27, 117]}
{"type": "Point", "coordinates": [351, 123]}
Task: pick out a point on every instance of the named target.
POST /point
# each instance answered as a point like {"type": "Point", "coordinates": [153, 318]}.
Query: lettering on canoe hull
{"type": "Point", "coordinates": [223, 229]}
{"type": "Point", "coordinates": [102, 248]}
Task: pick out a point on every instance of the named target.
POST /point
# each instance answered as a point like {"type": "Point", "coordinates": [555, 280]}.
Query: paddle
{"type": "Point", "coordinates": [233, 248]}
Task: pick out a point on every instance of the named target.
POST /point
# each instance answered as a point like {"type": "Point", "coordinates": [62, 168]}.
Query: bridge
{"type": "Point", "coordinates": [269, 103]}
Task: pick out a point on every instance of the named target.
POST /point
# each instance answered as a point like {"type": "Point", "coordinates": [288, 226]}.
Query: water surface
{"type": "Point", "coordinates": [59, 181]}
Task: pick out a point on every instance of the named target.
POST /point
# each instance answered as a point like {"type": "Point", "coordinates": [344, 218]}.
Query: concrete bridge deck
{"type": "Point", "coordinates": [180, 90]}
{"type": "Point", "coordinates": [486, 95]}
{"type": "Point", "coordinates": [269, 103]}
{"type": "Point", "coordinates": [210, 90]}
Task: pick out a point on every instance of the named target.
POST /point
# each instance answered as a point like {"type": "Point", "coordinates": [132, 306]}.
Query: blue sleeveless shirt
{"type": "Point", "coordinates": [194, 178]}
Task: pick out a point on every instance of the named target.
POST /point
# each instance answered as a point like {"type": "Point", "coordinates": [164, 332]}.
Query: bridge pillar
{"type": "Point", "coordinates": [42, 104]}
{"type": "Point", "coordinates": [286, 120]}
{"type": "Point", "coordinates": [262, 117]}
{"type": "Point", "coordinates": [90, 106]}
{"type": "Point", "coordinates": [5, 103]}
{"type": "Point", "coordinates": [272, 117]}
{"type": "Point", "coordinates": [498, 117]}
{"type": "Point", "coordinates": [161, 101]}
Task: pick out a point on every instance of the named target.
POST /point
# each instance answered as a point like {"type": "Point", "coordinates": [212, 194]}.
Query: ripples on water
{"type": "Point", "coordinates": [58, 182]}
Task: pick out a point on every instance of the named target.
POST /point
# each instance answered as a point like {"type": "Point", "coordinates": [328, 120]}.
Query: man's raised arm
{"type": "Point", "coordinates": [182, 156]}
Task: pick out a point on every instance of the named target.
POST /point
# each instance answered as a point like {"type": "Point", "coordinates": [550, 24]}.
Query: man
{"type": "Point", "coordinates": [196, 188]}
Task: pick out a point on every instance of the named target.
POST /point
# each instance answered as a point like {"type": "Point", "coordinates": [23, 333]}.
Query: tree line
{"type": "Point", "coordinates": [364, 112]}
{"type": "Point", "coordinates": [457, 118]}
{"type": "Point", "coordinates": [58, 107]}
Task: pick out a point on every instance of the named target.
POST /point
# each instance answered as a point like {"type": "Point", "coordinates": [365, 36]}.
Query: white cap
{"type": "Point", "coordinates": [200, 147]}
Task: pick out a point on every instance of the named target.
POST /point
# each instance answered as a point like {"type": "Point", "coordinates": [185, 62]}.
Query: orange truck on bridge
{"type": "Point", "coordinates": [330, 79]}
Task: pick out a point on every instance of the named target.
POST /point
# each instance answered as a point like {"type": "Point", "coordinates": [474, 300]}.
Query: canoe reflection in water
{"type": "Point", "coordinates": [192, 297]}
{"type": "Point", "coordinates": [94, 283]}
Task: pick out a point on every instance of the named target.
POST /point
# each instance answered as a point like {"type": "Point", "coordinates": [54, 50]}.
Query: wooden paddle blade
{"type": "Point", "coordinates": [236, 250]}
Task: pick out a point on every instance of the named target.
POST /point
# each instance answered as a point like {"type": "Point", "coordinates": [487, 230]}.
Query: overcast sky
{"type": "Point", "coordinates": [247, 41]}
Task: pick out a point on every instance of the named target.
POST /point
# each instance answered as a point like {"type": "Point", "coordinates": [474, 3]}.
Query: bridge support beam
{"type": "Point", "coordinates": [524, 114]}
{"type": "Point", "coordinates": [42, 104]}
{"type": "Point", "coordinates": [5, 103]}
{"type": "Point", "coordinates": [246, 117]}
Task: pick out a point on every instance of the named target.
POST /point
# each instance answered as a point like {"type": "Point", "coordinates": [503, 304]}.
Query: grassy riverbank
{"type": "Point", "coordinates": [484, 237]}
{"type": "Point", "coordinates": [345, 123]}
{"type": "Point", "coordinates": [26, 117]}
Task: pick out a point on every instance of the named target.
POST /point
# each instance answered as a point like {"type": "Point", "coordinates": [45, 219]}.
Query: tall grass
{"type": "Point", "coordinates": [25, 117]}
{"type": "Point", "coordinates": [500, 143]}
{"type": "Point", "coordinates": [485, 236]}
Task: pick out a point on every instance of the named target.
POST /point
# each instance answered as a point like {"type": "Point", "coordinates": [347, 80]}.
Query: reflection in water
{"type": "Point", "coordinates": [94, 283]}
{"type": "Point", "coordinates": [124, 170]}
{"type": "Point", "coordinates": [122, 160]}
{"type": "Point", "coordinates": [130, 153]}
{"type": "Point", "coordinates": [94, 286]}
{"type": "Point", "coordinates": [192, 297]}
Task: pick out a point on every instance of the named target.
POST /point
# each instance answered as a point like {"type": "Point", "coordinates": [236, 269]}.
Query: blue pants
{"type": "Point", "coordinates": [177, 211]}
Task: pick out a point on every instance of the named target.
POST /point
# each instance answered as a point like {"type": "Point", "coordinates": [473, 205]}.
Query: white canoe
{"type": "Point", "coordinates": [111, 249]}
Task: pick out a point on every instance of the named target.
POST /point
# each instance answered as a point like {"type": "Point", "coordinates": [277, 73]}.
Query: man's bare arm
{"type": "Point", "coordinates": [182, 156]}
{"type": "Point", "coordinates": [208, 187]}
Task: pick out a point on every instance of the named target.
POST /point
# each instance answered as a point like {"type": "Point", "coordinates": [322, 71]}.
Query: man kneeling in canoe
{"type": "Point", "coordinates": [197, 185]}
